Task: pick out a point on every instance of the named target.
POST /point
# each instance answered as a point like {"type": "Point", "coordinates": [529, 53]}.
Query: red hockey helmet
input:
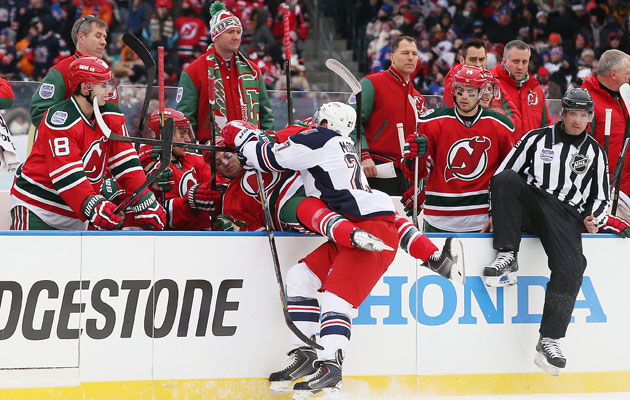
{"type": "Point", "coordinates": [207, 155]}
{"type": "Point", "coordinates": [180, 120]}
{"type": "Point", "coordinates": [470, 76]}
{"type": "Point", "coordinates": [91, 70]}
{"type": "Point", "coordinates": [491, 83]}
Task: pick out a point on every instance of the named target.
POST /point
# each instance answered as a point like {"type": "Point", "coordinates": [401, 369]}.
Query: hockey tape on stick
{"type": "Point", "coordinates": [276, 265]}
{"type": "Point", "coordinates": [607, 122]}
{"type": "Point", "coordinates": [149, 64]}
{"type": "Point", "coordinates": [401, 135]}
{"type": "Point", "coordinates": [345, 74]}
{"type": "Point", "coordinates": [287, 62]}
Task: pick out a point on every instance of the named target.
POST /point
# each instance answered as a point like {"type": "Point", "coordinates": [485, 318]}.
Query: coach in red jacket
{"type": "Point", "coordinates": [613, 70]}
{"type": "Point", "coordinates": [522, 88]}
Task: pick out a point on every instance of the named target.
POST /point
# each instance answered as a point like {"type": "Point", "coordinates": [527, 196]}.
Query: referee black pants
{"type": "Point", "coordinates": [517, 207]}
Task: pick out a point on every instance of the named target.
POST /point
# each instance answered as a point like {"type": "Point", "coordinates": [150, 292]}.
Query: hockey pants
{"type": "Point", "coordinates": [517, 206]}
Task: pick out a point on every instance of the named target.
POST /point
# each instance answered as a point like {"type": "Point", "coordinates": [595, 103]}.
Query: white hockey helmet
{"type": "Point", "coordinates": [340, 117]}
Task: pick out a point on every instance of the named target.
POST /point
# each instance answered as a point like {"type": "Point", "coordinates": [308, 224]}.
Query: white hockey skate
{"type": "Point", "coordinates": [502, 271]}
{"type": "Point", "coordinates": [366, 241]}
{"type": "Point", "coordinates": [549, 356]}
{"type": "Point", "coordinates": [450, 261]}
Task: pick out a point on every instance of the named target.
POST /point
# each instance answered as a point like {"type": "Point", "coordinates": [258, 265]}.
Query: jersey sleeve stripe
{"type": "Point", "coordinates": [126, 160]}
{"type": "Point", "coordinates": [59, 177]}
{"type": "Point", "coordinates": [34, 194]}
{"type": "Point", "coordinates": [70, 182]}
{"type": "Point", "coordinates": [126, 153]}
{"type": "Point", "coordinates": [66, 166]}
{"type": "Point", "coordinates": [267, 159]}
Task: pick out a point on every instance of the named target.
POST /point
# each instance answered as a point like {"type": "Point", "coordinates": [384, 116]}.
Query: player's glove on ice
{"type": "Point", "coordinates": [149, 155]}
{"type": "Point", "coordinates": [100, 213]}
{"type": "Point", "coordinates": [415, 146]}
{"type": "Point", "coordinates": [228, 224]}
{"type": "Point", "coordinates": [148, 213]}
{"type": "Point", "coordinates": [407, 201]}
{"type": "Point", "coordinates": [617, 225]}
{"type": "Point", "coordinates": [203, 198]}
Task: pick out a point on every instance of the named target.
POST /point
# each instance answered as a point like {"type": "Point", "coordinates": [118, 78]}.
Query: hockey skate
{"type": "Point", "coordinates": [450, 261]}
{"type": "Point", "coordinates": [549, 357]}
{"type": "Point", "coordinates": [298, 365]}
{"type": "Point", "coordinates": [366, 241]}
{"type": "Point", "coordinates": [327, 379]}
{"type": "Point", "coordinates": [502, 271]}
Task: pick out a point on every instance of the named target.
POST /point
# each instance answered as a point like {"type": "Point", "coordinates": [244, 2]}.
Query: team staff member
{"type": "Point", "coordinates": [520, 87]}
{"type": "Point", "coordinates": [473, 54]}
{"type": "Point", "coordinates": [244, 96]}
{"type": "Point", "coordinates": [88, 34]}
{"type": "Point", "coordinates": [613, 70]}
{"type": "Point", "coordinates": [386, 101]}
{"type": "Point", "coordinates": [553, 183]}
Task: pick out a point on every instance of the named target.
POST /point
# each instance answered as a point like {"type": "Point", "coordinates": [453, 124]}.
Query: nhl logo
{"type": "Point", "coordinates": [579, 163]}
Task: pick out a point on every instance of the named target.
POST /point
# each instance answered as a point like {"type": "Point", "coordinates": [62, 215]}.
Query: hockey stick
{"type": "Point", "coordinates": [213, 134]}
{"type": "Point", "coordinates": [276, 265]}
{"type": "Point", "coordinates": [149, 64]}
{"type": "Point", "coordinates": [415, 171]}
{"type": "Point", "coordinates": [607, 123]}
{"type": "Point", "coordinates": [345, 74]}
{"type": "Point", "coordinates": [287, 63]}
{"type": "Point", "coordinates": [166, 136]}
{"type": "Point", "coordinates": [161, 102]}
{"type": "Point", "coordinates": [624, 91]}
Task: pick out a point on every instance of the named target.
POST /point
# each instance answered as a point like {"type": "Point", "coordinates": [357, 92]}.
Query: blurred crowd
{"type": "Point", "coordinates": [35, 35]}
{"type": "Point", "coordinates": [566, 36]}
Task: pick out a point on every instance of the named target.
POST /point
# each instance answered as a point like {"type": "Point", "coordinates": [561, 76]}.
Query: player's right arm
{"type": "Point", "coordinates": [51, 91]}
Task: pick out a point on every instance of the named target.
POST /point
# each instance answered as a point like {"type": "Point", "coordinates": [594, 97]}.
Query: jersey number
{"type": "Point", "coordinates": [352, 161]}
{"type": "Point", "coordinates": [60, 146]}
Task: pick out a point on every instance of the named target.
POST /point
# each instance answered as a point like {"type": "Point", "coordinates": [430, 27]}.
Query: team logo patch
{"type": "Point", "coordinates": [546, 155]}
{"type": "Point", "coordinates": [579, 163]}
{"type": "Point", "coordinates": [282, 146]}
{"type": "Point", "coordinates": [532, 98]}
{"type": "Point", "coordinates": [59, 117]}
{"type": "Point", "coordinates": [180, 93]}
{"type": "Point", "coordinates": [467, 159]}
{"type": "Point", "coordinates": [46, 90]}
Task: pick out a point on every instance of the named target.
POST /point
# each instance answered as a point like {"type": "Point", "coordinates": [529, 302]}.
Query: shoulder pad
{"type": "Point", "coordinates": [436, 113]}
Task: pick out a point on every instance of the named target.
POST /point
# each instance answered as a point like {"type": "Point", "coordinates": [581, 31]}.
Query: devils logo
{"type": "Point", "coordinates": [94, 161]}
{"type": "Point", "coordinates": [467, 159]}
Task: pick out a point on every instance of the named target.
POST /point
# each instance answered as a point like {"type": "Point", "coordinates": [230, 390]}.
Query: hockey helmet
{"type": "Point", "coordinates": [207, 155]}
{"type": "Point", "coordinates": [340, 117]}
{"type": "Point", "coordinates": [491, 83]}
{"type": "Point", "coordinates": [577, 99]}
{"type": "Point", "coordinates": [91, 70]}
{"type": "Point", "coordinates": [179, 119]}
{"type": "Point", "coordinates": [470, 76]}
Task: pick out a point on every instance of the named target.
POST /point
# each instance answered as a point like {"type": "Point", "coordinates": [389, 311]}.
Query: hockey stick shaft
{"type": "Point", "coordinates": [156, 142]}
{"type": "Point", "coordinates": [213, 134]}
{"type": "Point", "coordinates": [287, 63]}
{"type": "Point", "coordinates": [276, 265]}
{"type": "Point", "coordinates": [149, 64]}
{"type": "Point", "coordinates": [607, 123]}
{"type": "Point", "coordinates": [161, 101]}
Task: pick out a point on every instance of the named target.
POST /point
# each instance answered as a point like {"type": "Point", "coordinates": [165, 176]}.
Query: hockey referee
{"type": "Point", "coordinates": [553, 183]}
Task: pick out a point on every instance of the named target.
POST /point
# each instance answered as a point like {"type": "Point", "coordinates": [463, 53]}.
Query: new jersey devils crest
{"type": "Point", "coordinates": [94, 161]}
{"type": "Point", "coordinates": [467, 159]}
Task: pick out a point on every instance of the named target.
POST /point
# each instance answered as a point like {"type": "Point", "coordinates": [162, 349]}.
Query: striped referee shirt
{"type": "Point", "coordinates": [576, 174]}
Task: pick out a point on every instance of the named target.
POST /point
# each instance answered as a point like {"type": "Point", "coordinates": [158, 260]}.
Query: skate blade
{"type": "Point", "coordinates": [542, 363]}
{"type": "Point", "coordinates": [458, 270]}
{"type": "Point", "coordinates": [281, 387]}
{"type": "Point", "coordinates": [501, 281]}
{"type": "Point", "coordinates": [323, 394]}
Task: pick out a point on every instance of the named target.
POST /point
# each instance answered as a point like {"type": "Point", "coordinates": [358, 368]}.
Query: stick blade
{"type": "Point", "coordinates": [624, 91]}
{"type": "Point", "coordinates": [345, 74]}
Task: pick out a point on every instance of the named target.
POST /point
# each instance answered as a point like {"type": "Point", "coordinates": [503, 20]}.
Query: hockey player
{"type": "Point", "coordinates": [552, 183]}
{"type": "Point", "coordinates": [58, 186]}
{"type": "Point", "coordinates": [492, 99]}
{"type": "Point", "coordinates": [344, 273]}
{"type": "Point", "coordinates": [185, 184]}
{"type": "Point", "coordinates": [460, 148]}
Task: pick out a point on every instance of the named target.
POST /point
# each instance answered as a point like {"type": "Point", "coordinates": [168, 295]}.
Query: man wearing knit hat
{"type": "Point", "coordinates": [239, 85]}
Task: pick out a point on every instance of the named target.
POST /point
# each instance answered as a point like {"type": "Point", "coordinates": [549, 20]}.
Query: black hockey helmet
{"type": "Point", "coordinates": [577, 99]}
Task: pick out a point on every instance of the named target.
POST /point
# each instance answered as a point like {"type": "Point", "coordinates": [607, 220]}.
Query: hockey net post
{"type": "Point", "coordinates": [276, 264]}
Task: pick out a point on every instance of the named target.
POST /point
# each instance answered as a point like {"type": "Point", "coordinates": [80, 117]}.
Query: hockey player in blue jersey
{"type": "Point", "coordinates": [344, 273]}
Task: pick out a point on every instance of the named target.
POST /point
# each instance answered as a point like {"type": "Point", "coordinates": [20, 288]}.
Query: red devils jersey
{"type": "Point", "coordinates": [187, 172]}
{"type": "Point", "coordinates": [241, 200]}
{"type": "Point", "coordinates": [69, 161]}
{"type": "Point", "coordinates": [190, 31]}
{"type": "Point", "coordinates": [462, 157]}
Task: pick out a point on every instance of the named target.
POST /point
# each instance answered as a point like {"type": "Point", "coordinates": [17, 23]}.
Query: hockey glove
{"type": "Point", "coordinates": [228, 224]}
{"type": "Point", "coordinates": [148, 213]}
{"type": "Point", "coordinates": [407, 201]}
{"type": "Point", "coordinates": [203, 198]}
{"type": "Point", "coordinates": [111, 191]}
{"type": "Point", "coordinates": [415, 146]}
{"type": "Point", "coordinates": [165, 181]}
{"type": "Point", "coordinates": [148, 156]}
{"type": "Point", "coordinates": [100, 213]}
{"type": "Point", "coordinates": [617, 225]}
{"type": "Point", "coordinates": [237, 133]}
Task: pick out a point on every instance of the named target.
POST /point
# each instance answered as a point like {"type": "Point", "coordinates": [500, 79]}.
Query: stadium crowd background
{"type": "Point", "coordinates": [567, 36]}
